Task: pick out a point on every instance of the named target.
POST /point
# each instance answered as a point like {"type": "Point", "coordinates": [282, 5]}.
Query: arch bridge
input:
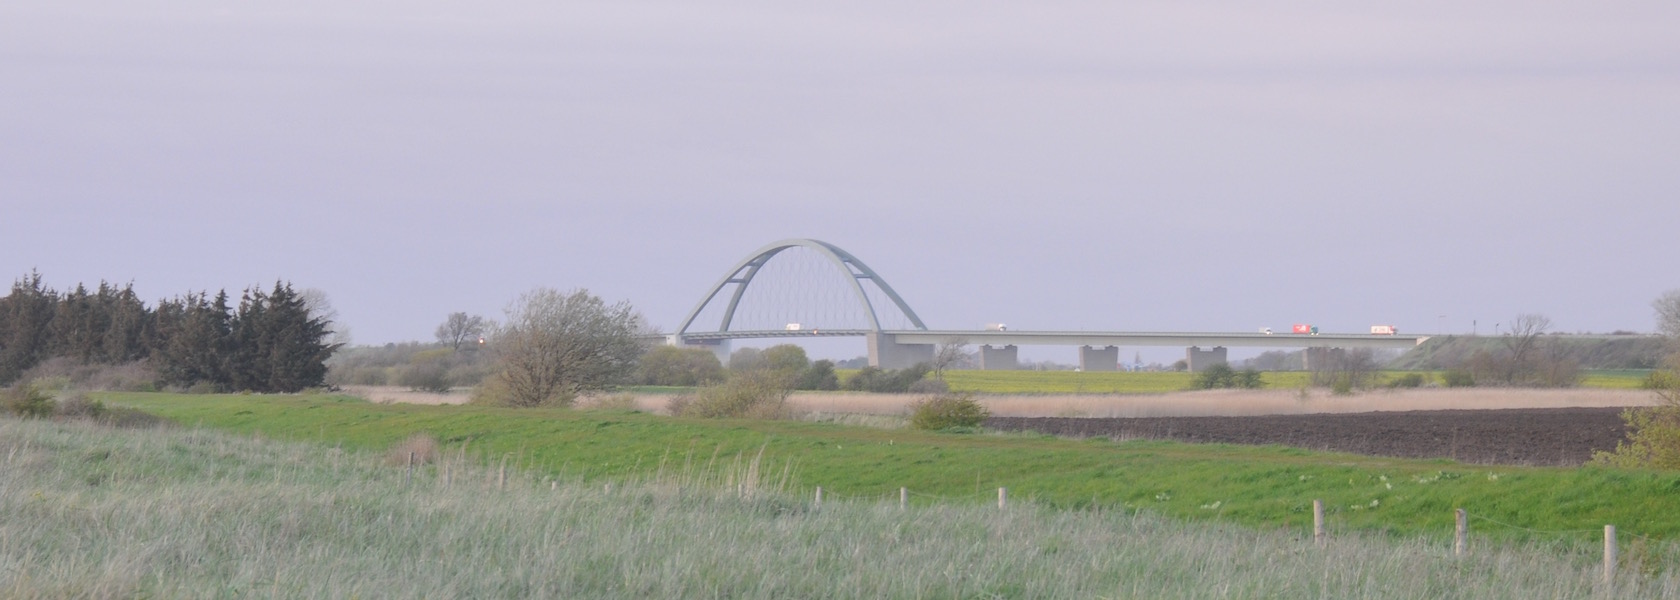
{"type": "Point", "coordinates": [873, 304]}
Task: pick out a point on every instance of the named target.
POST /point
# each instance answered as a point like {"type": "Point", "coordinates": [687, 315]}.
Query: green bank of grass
{"type": "Point", "coordinates": [1615, 379]}
{"type": "Point", "coordinates": [189, 513]}
{"type": "Point", "coordinates": [1266, 487]}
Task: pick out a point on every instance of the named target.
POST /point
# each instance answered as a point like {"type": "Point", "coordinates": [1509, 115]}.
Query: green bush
{"type": "Point", "coordinates": [80, 406]}
{"type": "Point", "coordinates": [1458, 378]}
{"type": "Point", "coordinates": [1409, 380]}
{"type": "Point", "coordinates": [751, 394]}
{"type": "Point", "coordinates": [429, 377]}
{"type": "Point", "coordinates": [1221, 376]}
{"type": "Point", "coordinates": [871, 379]}
{"type": "Point", "coordinates": [30, 402]}
{"type": "Point", "coordinates": [947, 411]}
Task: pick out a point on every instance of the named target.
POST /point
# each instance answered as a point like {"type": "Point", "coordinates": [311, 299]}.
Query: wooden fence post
{"type": "Point", "coordinates": [819, 495]}
{"type": "Point", "coordinates": [1461, 532]}
{"type": "Point", "coordinates": [1003, 498]}
{"type": "Point", "coordinates": [1609, 554]}
{"type": "Point", "coordinates": [501, 475]}
{"type": "Point", "coordinates": [410, 478]}
{"type": "Point", "coordinates": [903, 498]}
{"type": "Point", "coordinates": [1318, 523]}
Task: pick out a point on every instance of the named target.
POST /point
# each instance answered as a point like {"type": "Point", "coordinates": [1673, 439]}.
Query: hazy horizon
{"type": "Point", "coordinates": [1065, 165]}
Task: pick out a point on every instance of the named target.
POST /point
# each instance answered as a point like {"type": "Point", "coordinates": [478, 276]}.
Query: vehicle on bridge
{"type": "Point", "coordinates": [996, 327]}
{"type": "Point", "coordinates": [1304, 329]}
{"type": "Point", "coordinates": [1384, 330]}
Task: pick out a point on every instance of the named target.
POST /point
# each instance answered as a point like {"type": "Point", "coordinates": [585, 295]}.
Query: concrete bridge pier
{"type": "Point", "coordinates": [1199, 360]}
{"type": "Point", "coordinates": [999, 359]}
{"type": "Point", "coordinates": [886, 353]}
{"type": "Point", "coordinates": [719, 348]}
{"type": "Point", "coordinates": [1321, 358]}
{"type": "Point", "coordinates": [1106, 358]}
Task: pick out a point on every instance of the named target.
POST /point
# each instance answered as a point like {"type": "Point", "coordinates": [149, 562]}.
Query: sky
{"type": "Point", "coordinates": [1136, 166]}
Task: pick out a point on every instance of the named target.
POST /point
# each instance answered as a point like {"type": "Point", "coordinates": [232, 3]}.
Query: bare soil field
{"type": "Point", "coordinates": [1236, 403]}
{"type": "Point", "coordinates": [1494, 426]}
{"type": "Point", "coordinates": [1539, 436]}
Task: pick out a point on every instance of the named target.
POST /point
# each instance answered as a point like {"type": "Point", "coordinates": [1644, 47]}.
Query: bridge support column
{"type": "Point", "coordinates": [1321, 358]}
{"type": "Point", "coordinates": [999, 359]}
{"type": "Point", "coordinates": [1106, 358]}
{"type": "Point", "coordinates": [886, 353]}
{"type": "Point", "coordinates": [719, 348]}
{"type": "Point", "coordinates": [1199, 359]}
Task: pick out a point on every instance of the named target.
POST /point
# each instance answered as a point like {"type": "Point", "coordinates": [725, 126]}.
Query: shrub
{"type": "Point", "coordinates": [430, 377]}
{"type": "Point", "coordinates": [755, 394]}
{"type": "Point", "coordinates": [80, 406]}
{"type": "Point", "coordinates": [202, 387]}
{"type": "Point", "coordinates": [670, 365]}
{"type": "Point", "coordinates": [1221, 376]}
{"type": "Point", "coordinates": [1653, 440]}
{"type": "Point", "coordinates": [871, 379]}
{"type": "Point", "coordinates": [1458, 378]}
{"type": "Point", "coordinates": [929, 386]}
{"type": "Point", "coordinates": [369, 376]}
{"type": "Point", "coordinates": [27, 401]}
{"type": "Point", "coordinates": [947, 411]}
{"type": "Point", "coordinates": [1409, 380]}
{"type": "Point", "coordinates": [819, 376]}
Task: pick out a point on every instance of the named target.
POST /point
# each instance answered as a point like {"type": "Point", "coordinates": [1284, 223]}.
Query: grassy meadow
{"type": "Point", "coordinates": [1269, 488]}
{"type": "Point", "coordinates": [194, 513]}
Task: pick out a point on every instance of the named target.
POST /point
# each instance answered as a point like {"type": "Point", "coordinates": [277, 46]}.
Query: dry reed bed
{"type": "Point", "coordinates": [116, 514]}
{"type": "Point", "coordinates": [1211, 403]}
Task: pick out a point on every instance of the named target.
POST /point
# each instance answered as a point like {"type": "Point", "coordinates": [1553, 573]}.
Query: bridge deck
{"type": "Point", "coordinates": [1093, 338]}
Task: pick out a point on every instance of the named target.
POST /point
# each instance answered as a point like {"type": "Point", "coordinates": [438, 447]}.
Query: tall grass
{"type": "Point", "coordinates": [189, 513]}
{"type": "Point", "coordinates": [1261, 487]}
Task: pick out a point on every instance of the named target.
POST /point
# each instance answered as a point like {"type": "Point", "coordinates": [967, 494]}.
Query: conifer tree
{"type": "Point", "coordinates": [25, 326]}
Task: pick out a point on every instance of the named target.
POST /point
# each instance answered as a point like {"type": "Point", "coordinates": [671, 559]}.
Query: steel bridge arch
{"type": "Point", "coordinates": [744, 272]}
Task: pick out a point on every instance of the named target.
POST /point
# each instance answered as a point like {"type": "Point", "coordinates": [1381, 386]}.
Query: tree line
{"type": "Point", "coordinates": [268, 342]}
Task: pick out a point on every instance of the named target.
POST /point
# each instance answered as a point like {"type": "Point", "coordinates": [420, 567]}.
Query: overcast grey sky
{"type": "Point", "coordinates": [1052, 165]}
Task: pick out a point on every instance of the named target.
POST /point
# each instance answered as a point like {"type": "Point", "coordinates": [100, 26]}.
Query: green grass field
{"type": "Point", "coordinates": [1266, 487]}
{"type": "Point", "coordinates": [92, 512]}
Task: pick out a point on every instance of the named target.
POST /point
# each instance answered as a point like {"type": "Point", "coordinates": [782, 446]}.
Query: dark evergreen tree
{"type": "Point", "coordinates": [128, 324]}
{"type": "Point", "coordinates": [26, 316]}
{"type": "Point", "coordinates": [297, 348]}
{"type": "Point", "coordinates": [78, 326]}
{"type": "Point", "coordinates": [198, 341]}
{"type": "Point", "coordinates": [277, 345]}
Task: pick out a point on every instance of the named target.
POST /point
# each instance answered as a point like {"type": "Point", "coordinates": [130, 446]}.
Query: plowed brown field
{"type": "Point", "coordinates": [1536, 436]}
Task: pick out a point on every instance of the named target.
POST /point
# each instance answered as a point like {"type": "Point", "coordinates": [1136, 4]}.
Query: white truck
{"type": "Point", "coordinates": [1384, 330]}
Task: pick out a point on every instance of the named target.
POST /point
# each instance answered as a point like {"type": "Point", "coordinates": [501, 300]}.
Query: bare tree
{"type": "Point", "coordinates": [1524, 336]}
{"type": "Point", "coordinates": [557, 345]}
{"type": "Point", "coordinates": [458, 328]}
{"type": "Point", "coordinates": [1668, 314]}
{"type": "Point", "coordinates": [949, 353]}
{"type": "Point", "coordinates": [1667, 382]}
{"type": "Point", "coordinates": [320, 307]}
